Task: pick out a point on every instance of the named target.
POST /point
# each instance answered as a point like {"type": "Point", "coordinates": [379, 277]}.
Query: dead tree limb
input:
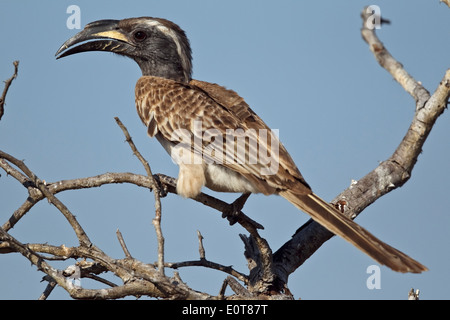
{"type": "Point", "coordinates": [389, 175]}
{"type": "Point", "coordinates": [6, 88]}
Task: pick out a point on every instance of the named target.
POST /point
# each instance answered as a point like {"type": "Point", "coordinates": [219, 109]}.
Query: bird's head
{"type": "Point", "coordinates": [160, 47]}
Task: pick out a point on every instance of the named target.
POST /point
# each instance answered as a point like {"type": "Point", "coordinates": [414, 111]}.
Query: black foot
{"type": "Point", "coordinates": [234, 209]}
{"type": "Point", "coordinates": [162, 187]}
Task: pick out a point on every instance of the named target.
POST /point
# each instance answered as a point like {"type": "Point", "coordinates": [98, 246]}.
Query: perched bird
{"type": "Point", "coordinates": [211, 132]}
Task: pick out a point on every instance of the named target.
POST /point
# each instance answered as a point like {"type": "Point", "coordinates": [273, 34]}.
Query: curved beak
{"type": "Point", "coordinates": [107, 34]}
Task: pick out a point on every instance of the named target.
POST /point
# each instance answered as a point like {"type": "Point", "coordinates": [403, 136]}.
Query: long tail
{"type": "Point", "coordinates": [340, 225]}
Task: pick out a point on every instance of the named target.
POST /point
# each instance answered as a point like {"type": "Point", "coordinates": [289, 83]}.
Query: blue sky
{"type": "Point", "coordinates": [302, 66]}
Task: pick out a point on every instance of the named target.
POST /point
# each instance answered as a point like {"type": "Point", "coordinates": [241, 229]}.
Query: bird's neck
{"type": "Point", "coordinates": [172, 70]}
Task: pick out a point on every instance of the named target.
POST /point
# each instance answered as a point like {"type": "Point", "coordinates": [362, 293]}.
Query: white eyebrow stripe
{"type": "Point", "coordinates": [169, 32]}
{"type": "Point", "coordinates": [166, 31]}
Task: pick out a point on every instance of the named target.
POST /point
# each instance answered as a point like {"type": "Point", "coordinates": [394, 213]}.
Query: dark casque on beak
{"type": "Point", "coordinates": [107, 35]}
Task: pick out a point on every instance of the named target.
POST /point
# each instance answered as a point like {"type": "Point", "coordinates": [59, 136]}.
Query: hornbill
{"type": "Point", "coordinates": [217, 140]}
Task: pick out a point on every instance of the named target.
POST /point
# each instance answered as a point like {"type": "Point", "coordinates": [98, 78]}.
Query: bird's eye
{"type": "Point", "coordinates": [139, 36]}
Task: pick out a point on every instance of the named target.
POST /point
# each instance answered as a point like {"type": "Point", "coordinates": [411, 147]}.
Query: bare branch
{"type": "Point", "coordinates": [388, 62]}
{"type": "Point", "coordinates": [235, 286]}
{"type": "Point", "coordinates": [156, 192]}
{"type": "Point", "coordinates": [169, 183]}
{"type": "Point", "coordinates": [130, 178]}
{"type": "Point", "coordinates": [133, 147]}
{"type": "Point", "coordinates": [389, 175]}
{"type": "Point", "coordinates": [157, 223]}
{"type": "Point", "coordinates": [138, 278]}
{"type": "Point", "coordinates": [201, 249]}
{"type": "Point", "coordinates": [123, 245]}
{"type": "Point", "coordinates": [208, 264]}
{"type": "Point", "coordinates": [101, 280]}
{"type": "Point", "coordinates": [6, 88]}
{"type": "Point", "coordinates": [51, 285]}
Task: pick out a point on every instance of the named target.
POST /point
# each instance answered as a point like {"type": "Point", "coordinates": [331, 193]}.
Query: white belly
{"type": "Point", "coordinates": [215, 177]}
{"type": "Point", "coordinates": [222, 179]}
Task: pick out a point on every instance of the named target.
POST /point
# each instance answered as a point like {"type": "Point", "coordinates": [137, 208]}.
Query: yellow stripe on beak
{"type": "Point", "coordinates": [112, 34]}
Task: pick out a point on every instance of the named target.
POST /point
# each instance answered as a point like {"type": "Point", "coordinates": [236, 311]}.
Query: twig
{"type": "Point", "coordinates": [51, 285]}
{"type": "Point", "coordinates": [395, 68]}
{"type": "Point", "coordinates": [100, 279]}
{"type": "Point", "coordinates": [123, 245]}
{"type": "Point", "coordinates": [201, 249]}
{"type": "Point", "coordinates": [221, 294]}
{"type": "Point", "coordinates": [235, 286]}
{"type": "Point", "coordinates": [29, 203]}
{"type": "Point", "coordinates": [157, 223]}
{"type": "Point", "coordinates": [133, 147]}
{"type": "Point", "coordinates": [208, 264]}
{"type": "Point", "coordinates": [156, 192]}
{"type": "Point", "coordinates": [7, 85]}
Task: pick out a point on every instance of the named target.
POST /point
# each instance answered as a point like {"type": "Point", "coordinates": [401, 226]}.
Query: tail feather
{"type": "Point", "coordinates": [340, 225]}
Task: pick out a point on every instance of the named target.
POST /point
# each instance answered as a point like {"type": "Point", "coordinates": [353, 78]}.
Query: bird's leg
{"type": "Point", "coordinates": [233, 209]}
{"type": "Point", "coordinates": [161, 180]}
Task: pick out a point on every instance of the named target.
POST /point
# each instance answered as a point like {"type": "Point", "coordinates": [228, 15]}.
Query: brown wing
{"type": "Point", "coordinates": [167, 107]}
{"type": "Point", "coordinates": [237, 105]}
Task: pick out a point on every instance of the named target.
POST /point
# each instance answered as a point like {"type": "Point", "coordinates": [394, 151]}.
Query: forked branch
{"type": "Point", "coordinates": [389, 175]}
